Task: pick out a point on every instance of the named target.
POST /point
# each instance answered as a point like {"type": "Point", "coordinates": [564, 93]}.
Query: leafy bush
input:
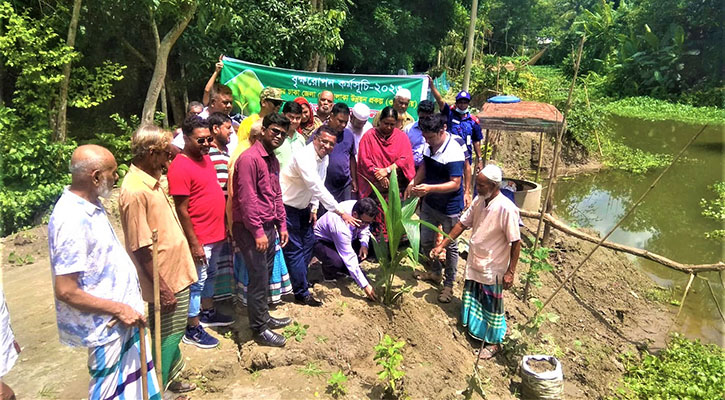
{"type": "Point", "coordinates": [684, 370]}
{"type": "Point", "coordinates": [20, 208]}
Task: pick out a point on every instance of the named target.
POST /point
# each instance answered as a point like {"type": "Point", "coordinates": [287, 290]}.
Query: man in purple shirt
{"type": "Point", "coordinates": [338, 245]}
{"type": "Point", "coordinates": [415, 135]}
{"type": "Point", "coordinates": [258, 215]}
{"type": "Point", "coordinates": [341, 178]}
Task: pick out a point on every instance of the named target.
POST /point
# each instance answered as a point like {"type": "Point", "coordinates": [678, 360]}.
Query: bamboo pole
{"type": "Point", "coordinates": [626, 215]}
{"type": "Point", "coordinates": [541, 155]}
{"type": "Point", "coordinates": [469, 46]}
{"type": "Point", "coordinates": [589, 107]}
{"type": "Point", "coordinates": [144, 365]}
{"type": "Point", "coordinates": [157, 306]}
{"type": "Point", "coordinates": [554, 164]}
{"type": "Point", "coordinates": [664, 261]}
{"type": "Point", "coordinates": [684, 295]}
{"type": "Point", "coordinates": [717, 303]}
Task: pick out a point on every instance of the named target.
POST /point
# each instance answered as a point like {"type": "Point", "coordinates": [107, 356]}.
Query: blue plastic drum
{"type": "Point", "coordinates": [504, 99]}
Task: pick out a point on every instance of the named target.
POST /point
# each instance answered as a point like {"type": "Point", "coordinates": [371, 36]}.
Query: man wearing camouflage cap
{"type": "Point", "coordinates": [270, 99]}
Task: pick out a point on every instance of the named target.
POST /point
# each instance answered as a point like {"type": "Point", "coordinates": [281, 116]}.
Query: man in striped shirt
{"type": "Point", "coordinates": [220, 127]}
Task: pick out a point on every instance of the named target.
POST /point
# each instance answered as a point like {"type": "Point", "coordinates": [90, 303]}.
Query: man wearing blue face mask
{"type": "Point", "coordinates": [465, 126]}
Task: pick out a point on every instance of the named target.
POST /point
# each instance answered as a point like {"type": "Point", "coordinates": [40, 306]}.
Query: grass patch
{"type": "Point", "coordinates": [684, 370]}
{"type": "Point", "coordinates": [660, 110]}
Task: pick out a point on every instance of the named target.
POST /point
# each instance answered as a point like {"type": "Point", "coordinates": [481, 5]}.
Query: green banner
{"type": "Point", "coordinates": [377, 91]}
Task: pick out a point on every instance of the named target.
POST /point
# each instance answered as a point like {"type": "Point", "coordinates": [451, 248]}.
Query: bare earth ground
{"type": "Point", "coordinates": [603, 314]}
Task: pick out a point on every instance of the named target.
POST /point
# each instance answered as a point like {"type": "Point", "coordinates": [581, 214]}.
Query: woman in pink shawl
{"type": "Point", "coordinates": [383, 150]}
{"type": "Point", "coordinates": [307, 124]}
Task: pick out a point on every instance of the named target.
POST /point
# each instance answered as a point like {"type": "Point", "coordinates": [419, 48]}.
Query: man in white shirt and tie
{"type": "Point", "coordinates": [303, 189]}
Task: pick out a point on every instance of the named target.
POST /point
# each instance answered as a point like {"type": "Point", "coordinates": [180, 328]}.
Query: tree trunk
{"type": "Point", "coordinates": [177, 105]}
{"type": "Point", "coordinates": [164, 104]}
{"type": "Point", "coordinates": [162, 56]}
{"type": "Point", "coordinates": [60, 130]}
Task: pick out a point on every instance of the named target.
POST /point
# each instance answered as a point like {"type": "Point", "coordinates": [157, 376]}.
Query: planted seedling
{"type": "Point", "coordinates": [295, 330]}
{"type": "Point", "coordinates": [311, 369]}
{"type": "Point", "coordinates": [336, 384]}
{"type": "Point", "coordinates": [388, 354]}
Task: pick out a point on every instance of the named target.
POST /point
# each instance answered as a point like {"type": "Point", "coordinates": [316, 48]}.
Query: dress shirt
{"type": "Point", "coordinates": [257, 195]}
{"type": "Point", "coordinates": [332, 228]}
{"type": "Point", "coordinates": [417, 142]}
{"type": "Point", "coordinates": [303, 181]}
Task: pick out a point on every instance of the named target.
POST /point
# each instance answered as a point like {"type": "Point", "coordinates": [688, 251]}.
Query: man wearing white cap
{"type": "Point", "coordinates": [400, 104]}
{"type": "Point", "coordinates": [359, 123]}
{"type": "Point", "coordinates": [494, 253]}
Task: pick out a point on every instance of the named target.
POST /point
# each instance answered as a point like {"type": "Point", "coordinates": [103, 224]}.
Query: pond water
{"type": "Point", "coordinates": [669, 221]}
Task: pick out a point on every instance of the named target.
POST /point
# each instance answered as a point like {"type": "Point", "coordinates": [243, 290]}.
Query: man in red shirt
{"type": "Point", "coordinates": [200, 206]}
{"type": "Point", "coordinates": [259, 215]}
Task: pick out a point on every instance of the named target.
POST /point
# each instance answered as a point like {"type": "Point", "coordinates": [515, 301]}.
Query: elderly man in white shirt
{"type": "Point", "coordinates": [358, 123]}
{"type": "Point", "coordinates": [303, 189]}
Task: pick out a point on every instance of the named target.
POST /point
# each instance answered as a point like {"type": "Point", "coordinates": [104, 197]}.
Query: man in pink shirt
{"type": "Point", "coordinates": [200, 206]}
{"type": "Point", "coordinates": [494, 253]}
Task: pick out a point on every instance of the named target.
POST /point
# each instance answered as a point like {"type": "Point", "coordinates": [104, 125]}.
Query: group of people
{"type": "Point", "coordinates": [244, 208]}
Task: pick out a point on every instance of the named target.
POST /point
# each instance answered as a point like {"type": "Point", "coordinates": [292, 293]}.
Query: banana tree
{"type": "Point", "coordinates": [399, 222]}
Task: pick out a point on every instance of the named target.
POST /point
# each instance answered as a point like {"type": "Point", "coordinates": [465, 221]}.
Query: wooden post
{"type": "Point", "coordinates": [469, 46]}
{"type": "Point", "coordinates": [157, 307]}
{"type": "Point", "coordinates": [144, 364]}
{"type": "Point", "coordinates": [485, 152]}
{"type": "Point", "coordinates": [541, 154]}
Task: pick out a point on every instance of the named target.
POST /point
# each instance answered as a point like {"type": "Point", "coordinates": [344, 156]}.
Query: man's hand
{"type": "Point", "coordinates": [467, 199]}
{"type": "Point", "coordinates": [508, 279]}
{"type": "Point", "coordinates": [168, 300]}
{"type": "Point", "coordinates": [283, 238]}
{"type": "Point", "coordinates": [408, 191]}
{"type": "Point", "coordinates": [421, 190]}
{"type": "Point", "coordinates": [363, 253]}
{"type": "Point", "coordinates": [354, 186]}
{"type": "Point", "coordinates": [197, 252]}
{"type": "Point", "coordinates": [218, 66]}
{"type": "Point", "coordinates": [381, 173]}
{"type": "Point", "coordinates": [129, 317]}
{"type": "Point", "coordinates": [262, 243]}
{"type": "Point", "coordinates": [313, 217]}
{"type": "Point", "coordinates": [350, 220]}
{"type": "Point", "coordinates": [370, 292]}
{"type": "Point", "coordinates": [437, 253]}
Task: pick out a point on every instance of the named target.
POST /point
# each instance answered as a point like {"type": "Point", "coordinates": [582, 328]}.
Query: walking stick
{"type": "Point", "coordinates": [144, 365]}
{"type": "Point", "coordinates": [157, 307]}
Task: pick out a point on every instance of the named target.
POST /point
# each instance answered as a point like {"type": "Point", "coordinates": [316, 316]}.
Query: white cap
{"type": "Point", "coordinates": [403, 93]}
{"type": "Point", "coordinates": [492, 172]}
{"type": "Point", "coordinates": [361, 111]}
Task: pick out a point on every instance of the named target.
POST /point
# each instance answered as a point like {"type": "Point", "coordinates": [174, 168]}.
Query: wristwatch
{"type": "Point", "coordinates": [388, 170]}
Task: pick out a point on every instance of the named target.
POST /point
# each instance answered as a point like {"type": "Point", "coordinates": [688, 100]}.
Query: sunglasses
{"type": "Point", "coordinates": [278, 132]}
{"type": "Point", "coordinates": [207, 139]}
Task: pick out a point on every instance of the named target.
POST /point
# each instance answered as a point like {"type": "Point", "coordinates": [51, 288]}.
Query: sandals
{"type": "Point", "coordinates": [428, 276]}
{"type": "Point", "coordinates": [181, 387]}
{"type": "Point", "coordinates": [489, 352]}
{"type": "Point", "coordinates": [446, 295]}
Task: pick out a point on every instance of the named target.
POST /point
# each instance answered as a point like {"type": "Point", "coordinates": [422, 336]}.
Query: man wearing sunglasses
{"type": "Point", "coordinates": [200, 206]}
{"type": "Point", "coordinates": [270, 100]}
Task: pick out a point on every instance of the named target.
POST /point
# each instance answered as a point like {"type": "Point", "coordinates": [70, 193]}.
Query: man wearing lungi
{"type": "Point", "coordinates": [494, 253]}
{"type": "Point", "coordinates": [95, 282]}
{"type": "Point", "coordinates": [143, 206]}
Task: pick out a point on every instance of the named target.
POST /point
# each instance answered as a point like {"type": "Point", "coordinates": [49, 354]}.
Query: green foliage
{"type": "Point", "coordinates": [684, 370]}
{"type": "Point", "coordinates": [538, 262]}
{"type": "Point", "coordinates": [715, 209]}
{"type": "Point", "coordinates": [634, 160]}
{"type": "Point", "coordinates": [89, 89]}
{"type": "Point", "coordinates": [540, 318]}
{"type": "Point", "coordinates": [389, 355]}
{"type": "Point", "coordinates": [660, 110]}
{"type": "Point", "coordinates": [312, 370]}
{"type": "Point", "coordinates": [295, 330]}
{"type": "Point", "coordinates": [336, 384]}
{"type": "Point", "coordinates": [17, 259]}
{"type": "Point", "coordinates": [20, 208]}
{"type": "Point", "coordinates": [398, 222]}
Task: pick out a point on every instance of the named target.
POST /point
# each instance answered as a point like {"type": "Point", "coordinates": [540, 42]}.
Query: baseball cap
{"type": "Point", "coordinates": [270, 93]}
{"type": "Point", "coordinates": [463, 95]}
